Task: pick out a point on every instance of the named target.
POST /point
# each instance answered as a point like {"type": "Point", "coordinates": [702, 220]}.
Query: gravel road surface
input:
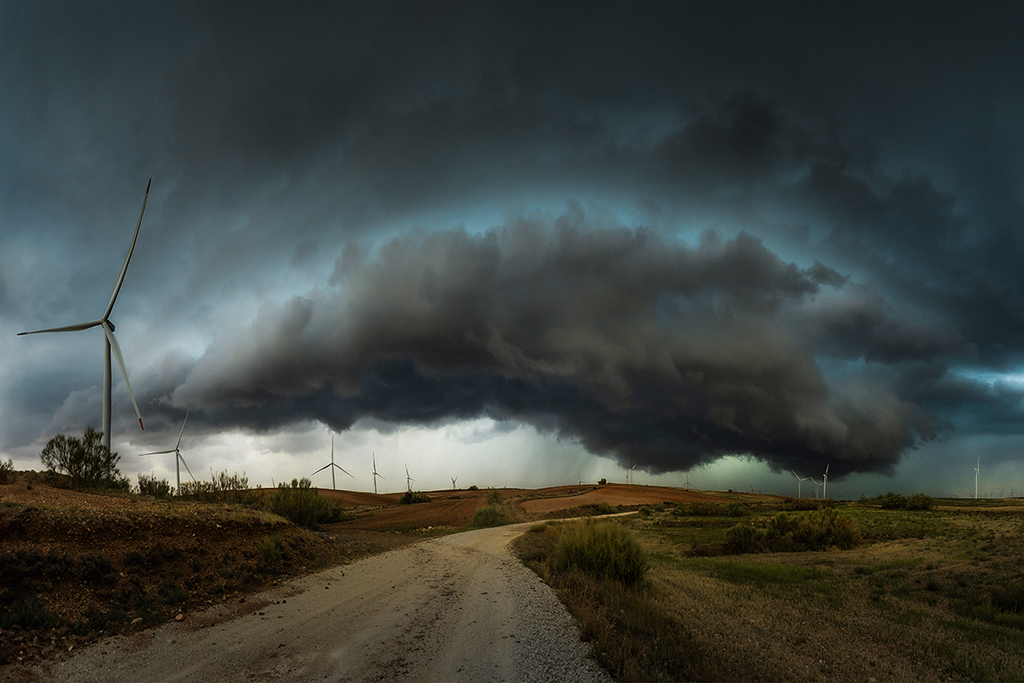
{"type": "Point", "coordinates": [458, 608]}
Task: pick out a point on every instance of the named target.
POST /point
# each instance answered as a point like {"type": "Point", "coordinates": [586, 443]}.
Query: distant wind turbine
{"type": "Point", "coordinates": [799, 482]}
{"type": "Point", "coordinates": [110, 341]}
{"type": "Point", "coordinates": [408, 480]}
{"type": "Point", "coordinates": [333, 466]}
{"type": "Point", "coordinates": [976, 470]}
{"type": "Point", "coordinates": [687, 485]}
{"type": "Point", "coordinates": [177, 456]}
{"type": "Point", "coordinates": [824, 492]}
{"type": "Point", "coordinates": [375, 475]}
{"type": "Point", "coordinates": [453, 482]}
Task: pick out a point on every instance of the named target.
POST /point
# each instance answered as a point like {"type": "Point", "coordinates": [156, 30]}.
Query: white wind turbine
{"type": "Point", "coordinates": [976, 470]}
{"type": "Point", "coordinates": [799, 482]}
{"type": "Point", "coordinates": [178, 459]}
{"type": "Point", "coordinates": [110, 341]}
{"type": "Point", "coordinates": [453, 482]}
{"type": "Point", "coordinates": [824, 492]}
{"type": "Point", "coordinates": [631, 479]}
{"type": "Point", "coordinates": [408, 480]}
{"type": "Point", "coordinates": [687, 485]}
{"type": "Point", "coordinates": [817, 487]}
{"type": "Point", "coordinates": [375, 475]}
{"type": "Point", "coordinates": [333, 466]}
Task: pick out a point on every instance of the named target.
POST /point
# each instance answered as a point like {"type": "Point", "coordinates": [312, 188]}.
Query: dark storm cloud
{"type": "Point", "coordinates": [876, 145]}
{"type": "Point", "coordinates": [644, 348]}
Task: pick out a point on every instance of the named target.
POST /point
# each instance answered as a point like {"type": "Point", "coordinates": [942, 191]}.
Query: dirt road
{"type": "Point", "coordinates": [454, 608]}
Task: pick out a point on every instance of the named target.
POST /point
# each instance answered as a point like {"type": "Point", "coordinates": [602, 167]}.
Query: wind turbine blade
{"type": "Point", "coordinates": [157, 453]}
{"type": "Point", "coordinates": [182, 459]}
{"type": "Point", "coordinates": [342, 469]}
{"type": "Point", "coordinates": [124, 373]}
{"type": "Point", "coordinates": [321, 469]}
{"type": "Point", "coordinates": [124, 268]}
{"type": "Point", "coordinates": [69, 328]}
{"type": "Point", "coordinates": [182, 428]}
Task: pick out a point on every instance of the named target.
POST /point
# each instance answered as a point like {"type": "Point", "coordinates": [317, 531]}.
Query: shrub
{"type": "Point", "coordinates": [95, 568]}
{"type": "Point", "coordinates": [920, 501]}
{"type": "Point", "coordinates": [410, 497]}
{"type": "Point", "coordinates": [222, 488]}
{"type": "Point", "coordinates": [789, 533]}
{"type": "Point", "coordinates": [602, 549]}
{"type": "Point", "coordinates": [488, 516]}
{"type": "Point", "coordinates": [602, 482]}
{"type": "Point", "coordinates": [302, 504]}
{"type": "Point", "coordinates": [1009, 598]}
{"type": "Point", "coordinates": [6, 470]}
{"type": "Point", "coordinates": [270, 549]}
{"type": "Point", "coordinates": [21, 607]}
{"type": "Point", "coordinates": [801, 504]}
{"type": "Point", "coordinates": [493, 496]}
{"type": "Point", "coordinates": [149, 485]}
{"type": "Point", "coordinates": [893, 501]}
{"type": "Point", "coordinates": [698, 509]}
{"type": "Point", "coordinates": [474, 487]}
{"type": "Point", "coordinates": [86, 461]}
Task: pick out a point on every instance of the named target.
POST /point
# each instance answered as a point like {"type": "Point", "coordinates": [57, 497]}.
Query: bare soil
{"type": "Point", "coordinates": [102, 565]}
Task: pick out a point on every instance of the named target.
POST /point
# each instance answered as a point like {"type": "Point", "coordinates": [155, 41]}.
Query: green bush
{"type": "Point", "coordinates": [222, 488]}
{"type": "Point", "coordinates": [802, 504]}
{"type": "Point", "coordinates": [493, 496]}
{"type": "Point", "coordinates": [270, 549]}
{"type": "Point", "coordinates": [149, 485]}
{"type": "Point", "coordinates": [1009, 598]}
{"type": "Point", "coordinates": [699, 509]}
{"type": "Point", "coordinates": [488, 516]}
{"type": "Point", "coordinates": [602, 549]}
{"type": "Point", "coordinates": [893, 501]}
{"type": "Point", "coordinates": [86, 461]}
{"type": "Point", "coordinates": [410, 497]}
{"type": "Point", "coordinates": [302, 504]}
{"type": "Point", "coordinates": [6, 469]}
{"type": "Point", "coordinates": [920, 501]}
{"type": "Point", "coordinates": [474, 487]}
{"type": "Point", "coordinates": [602, 482]}
{"type": "Point", "coordinates": [820, 530]}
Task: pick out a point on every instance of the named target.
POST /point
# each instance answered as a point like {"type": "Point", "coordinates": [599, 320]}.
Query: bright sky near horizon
{"type": "Point", "coordinates": [522, 243]}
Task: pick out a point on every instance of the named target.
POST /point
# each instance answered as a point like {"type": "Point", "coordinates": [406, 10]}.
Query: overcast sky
{"type": "Point", "coordinates": [522, 243]}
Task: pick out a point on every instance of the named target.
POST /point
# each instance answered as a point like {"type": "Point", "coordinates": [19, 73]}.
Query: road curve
{"type": "Point", "coordinates": [457, 608]}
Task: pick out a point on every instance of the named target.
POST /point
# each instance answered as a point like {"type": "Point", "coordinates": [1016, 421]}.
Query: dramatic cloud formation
{"type": "Point", "coordinates": [661, 233]}
{"type": "Point", "coordinates": [664, 355]}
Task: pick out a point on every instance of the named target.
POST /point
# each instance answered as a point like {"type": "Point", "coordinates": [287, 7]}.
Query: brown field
{"type": "Point", "coordinates": [118, 563]}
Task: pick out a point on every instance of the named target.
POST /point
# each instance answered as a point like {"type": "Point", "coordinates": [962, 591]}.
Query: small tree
{"type": "Point", "coordinates": [86, 461]}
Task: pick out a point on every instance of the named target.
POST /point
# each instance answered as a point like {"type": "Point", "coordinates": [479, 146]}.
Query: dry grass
{"type": "Point", "coordinates": [930, 595]}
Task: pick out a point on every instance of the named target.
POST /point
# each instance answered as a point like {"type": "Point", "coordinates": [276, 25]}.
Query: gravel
{"type": "Point", "coordinates": [458, 608]}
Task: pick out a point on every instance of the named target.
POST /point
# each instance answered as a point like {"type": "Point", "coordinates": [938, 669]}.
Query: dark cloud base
{"type": "Point", "coordinates": [638, 346]}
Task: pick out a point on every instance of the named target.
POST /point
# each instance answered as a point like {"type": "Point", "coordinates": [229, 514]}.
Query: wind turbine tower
{"type": "Point", "coordinates": [408, 480]}
{"type": "Point", "coordinates": [454, 479]}
{"type": "Point", "coordinates": [976, 470]}
{"type": "Point", "coordinates": [110, 341]}
{"type": "Point", "coordinates": [799, 482]}
{"type": "Point", "coordinates": [375, 475]}
{"type": "Point", "coordinates": [824, 491]}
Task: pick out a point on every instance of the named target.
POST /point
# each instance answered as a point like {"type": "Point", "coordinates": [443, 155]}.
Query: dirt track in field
{"type": "Point", "coordinates": [448, 609]}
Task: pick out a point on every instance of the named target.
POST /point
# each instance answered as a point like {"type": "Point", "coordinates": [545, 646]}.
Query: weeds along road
{"type": "Point", "coordinates": [461, 607]}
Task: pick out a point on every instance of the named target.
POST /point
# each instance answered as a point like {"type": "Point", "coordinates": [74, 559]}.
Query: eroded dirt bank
{"type": "Point", "coordinates": [454, 608]}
